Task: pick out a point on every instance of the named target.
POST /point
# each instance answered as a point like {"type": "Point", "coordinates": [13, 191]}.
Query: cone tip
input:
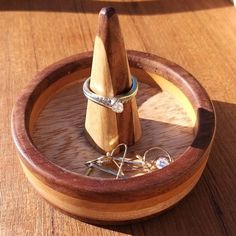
{"type": "Point", "coordinates": [107, 11]}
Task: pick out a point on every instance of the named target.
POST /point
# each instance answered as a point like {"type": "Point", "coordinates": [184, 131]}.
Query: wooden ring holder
{"type": "Point", "coordinates": [110, 201]}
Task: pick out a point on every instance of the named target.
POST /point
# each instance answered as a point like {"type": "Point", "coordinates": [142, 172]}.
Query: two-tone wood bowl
{"type": "Point", "coordinates": [48, 130]}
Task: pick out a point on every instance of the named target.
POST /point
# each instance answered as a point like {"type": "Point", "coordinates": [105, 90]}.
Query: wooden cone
{"type": "Point", "coordinates": [110, 76]}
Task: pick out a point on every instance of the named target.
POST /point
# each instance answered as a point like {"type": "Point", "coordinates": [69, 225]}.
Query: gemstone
{"type": "Point", "coordinates": [118, 107]}
{"type": "Point", "coordinates": [162, 162]}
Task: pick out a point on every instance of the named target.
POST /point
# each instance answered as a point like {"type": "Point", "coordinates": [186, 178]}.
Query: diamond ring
{"type": "Point", "coordinates": [115, 103]}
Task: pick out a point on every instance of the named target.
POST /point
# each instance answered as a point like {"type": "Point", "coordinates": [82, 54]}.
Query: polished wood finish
{"type": "Point", "coordinates": [135, 197]}
{"type": "Point", "coordinates": [110, 76]}
{"type": "Point", "coordinates": [204, 45]}
{"type": "Point", "coordinates": [167, 125]}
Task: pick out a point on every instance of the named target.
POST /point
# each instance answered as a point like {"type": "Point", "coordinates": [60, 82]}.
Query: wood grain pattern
{"type": "Point", "coordinates": [59, 130]}
{"type": "Point", "coordinates": [103, 194]}
{"type": "Point", "coordinates": [113, 213]}
{"type": "Point", "coordinates": [110, 76]}
{"type": "Point", "coordinates": [30, 41]}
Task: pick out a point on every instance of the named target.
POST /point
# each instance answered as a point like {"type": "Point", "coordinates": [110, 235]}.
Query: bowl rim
{"type": "Point", "coordinates": [77, 184]}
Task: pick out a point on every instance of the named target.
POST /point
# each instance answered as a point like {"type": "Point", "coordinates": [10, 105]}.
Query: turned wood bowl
{"type": "Point", "coordinates": [48, 130]}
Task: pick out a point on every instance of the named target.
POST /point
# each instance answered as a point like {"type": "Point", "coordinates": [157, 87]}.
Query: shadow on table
{"type": "Point", "coordinates": [210, 207]}
{"type": "Point", "coordinates": [136, 7]}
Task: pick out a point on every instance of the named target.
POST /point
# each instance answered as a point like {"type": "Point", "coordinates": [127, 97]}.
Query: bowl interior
{"type": "Point", "coordinates": [56, 123]}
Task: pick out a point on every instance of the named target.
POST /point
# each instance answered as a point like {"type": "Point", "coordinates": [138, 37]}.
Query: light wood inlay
{"type": "Point", "coordinates": [113, 212]}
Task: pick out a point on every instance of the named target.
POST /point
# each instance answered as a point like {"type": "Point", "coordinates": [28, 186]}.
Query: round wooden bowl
{"type": "Point", "coordinates": [99, 199]}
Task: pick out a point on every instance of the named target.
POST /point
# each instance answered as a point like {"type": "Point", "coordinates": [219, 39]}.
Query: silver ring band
{"type": "Point", "coordinates": [115, 103]}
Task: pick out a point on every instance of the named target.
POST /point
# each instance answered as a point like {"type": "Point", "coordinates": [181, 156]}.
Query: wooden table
{"type": "Point", "coordinates": [198, 35]}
